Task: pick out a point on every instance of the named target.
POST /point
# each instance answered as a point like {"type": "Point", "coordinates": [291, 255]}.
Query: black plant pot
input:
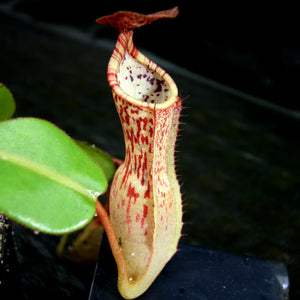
{"type": "Point", "coordinates": [197, 273]}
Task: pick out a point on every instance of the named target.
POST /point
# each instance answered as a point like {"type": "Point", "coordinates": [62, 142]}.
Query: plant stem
{"type": "Point", "coordinates": [113, 240]}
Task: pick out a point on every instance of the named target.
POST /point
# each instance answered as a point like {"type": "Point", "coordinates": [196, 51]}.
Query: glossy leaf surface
{"type": "Point", "coordinates": [7, 103]}
{"type": "Point", "coordinates": [46, 181]}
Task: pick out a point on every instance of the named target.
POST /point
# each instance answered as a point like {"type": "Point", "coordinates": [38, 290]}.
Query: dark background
{"type": "Point", "coordinates": [251, 47]}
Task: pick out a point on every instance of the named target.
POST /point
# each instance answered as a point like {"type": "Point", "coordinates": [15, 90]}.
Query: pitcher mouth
{"type": "Point", "coordinates": [142, 83]}
{"type": "Point", "coordinates": [137, 79]}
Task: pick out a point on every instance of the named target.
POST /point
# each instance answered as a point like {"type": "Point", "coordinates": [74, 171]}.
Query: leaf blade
{"type": "Point", "coordinates": [100, 157]}
{"type": "Point", "coordinates": [44, 217]}
{"type": "Point", "coordinates": [7, 103]}
{"type": "Point", "coordinates": [62, 181]}
{"type": "Point", "coordinates": [51, 175]}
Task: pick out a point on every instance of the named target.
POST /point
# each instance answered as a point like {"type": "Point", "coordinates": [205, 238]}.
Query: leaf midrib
{"type": "Point", "coordinates": [50, 174]}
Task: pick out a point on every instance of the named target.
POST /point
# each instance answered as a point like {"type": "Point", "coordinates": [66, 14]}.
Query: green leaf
{"type": "Point", "coordinates": [100, 157]}
{"type": "Point", "coordinates": [7, 103]}
{"type": "Point", "coordinates": [46, 181]}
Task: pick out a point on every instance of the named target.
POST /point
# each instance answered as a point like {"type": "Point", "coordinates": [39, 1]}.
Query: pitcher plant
{"type": "Point", "coordinates": [145, 210]}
